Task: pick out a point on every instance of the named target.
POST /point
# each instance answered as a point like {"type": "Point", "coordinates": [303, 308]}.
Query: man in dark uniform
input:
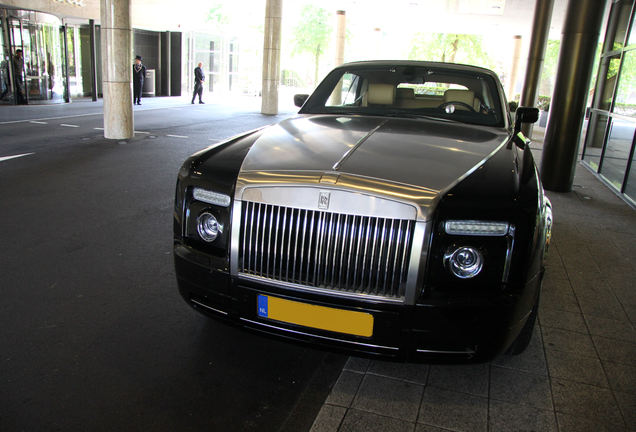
{"type": "Point", "coordinates": [139, 74]}
{"type": "Point", "coordinates": [18, 75]}
{"type": "Point", "coordinates": [199, 77]}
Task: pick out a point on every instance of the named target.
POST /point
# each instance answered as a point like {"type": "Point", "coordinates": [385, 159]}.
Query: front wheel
{"type": "Point", "coordinates": [523, 340]}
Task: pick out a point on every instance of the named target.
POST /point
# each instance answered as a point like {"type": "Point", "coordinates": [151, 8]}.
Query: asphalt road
{"type": "Point", "coordinates": [93, 333]}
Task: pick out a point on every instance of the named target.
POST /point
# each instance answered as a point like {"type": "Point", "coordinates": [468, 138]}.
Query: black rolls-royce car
{"type": "Point", "coordinates": [398, 214]}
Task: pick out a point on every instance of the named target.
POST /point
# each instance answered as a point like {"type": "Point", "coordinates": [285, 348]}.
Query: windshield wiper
{"type": "Point", "coordinates": [403, 114]}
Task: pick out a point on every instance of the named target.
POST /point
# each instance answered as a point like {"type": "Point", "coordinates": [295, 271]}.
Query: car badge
{"type": "Point", "coordinates": [323, 200]}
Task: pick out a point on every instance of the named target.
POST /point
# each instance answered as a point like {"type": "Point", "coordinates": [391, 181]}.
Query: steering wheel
{"type": "Point", "coordinates": [445, 104]}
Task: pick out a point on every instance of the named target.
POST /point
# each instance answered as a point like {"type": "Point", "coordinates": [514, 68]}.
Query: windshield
{"type": "Point", "coordinates": [409, 91]}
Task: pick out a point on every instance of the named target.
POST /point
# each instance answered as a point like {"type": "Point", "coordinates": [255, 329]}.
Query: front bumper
{"type": "Point", "coordinates": [458, 331]}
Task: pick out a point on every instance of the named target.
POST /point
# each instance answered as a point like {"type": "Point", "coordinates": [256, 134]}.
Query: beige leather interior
{"type": "Point", "coordinates": [381, 94]}
{"type": "Point", "coordinates": [406, 99]}
{"type": "Point", "coordinates": [465, 96]}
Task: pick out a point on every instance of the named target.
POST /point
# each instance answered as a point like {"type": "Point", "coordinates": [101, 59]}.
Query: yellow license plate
{"type": "Point", "coordinates": [319, 317]}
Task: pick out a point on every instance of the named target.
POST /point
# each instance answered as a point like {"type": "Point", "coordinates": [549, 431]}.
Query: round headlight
{"type": "Point", "coordinates": [464, 262]}
{"type": "Point", "coordinates": [208, 227]}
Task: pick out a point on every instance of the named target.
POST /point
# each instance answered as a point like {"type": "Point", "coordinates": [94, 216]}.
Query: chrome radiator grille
{"type": "Point", "coordinates": [338, 252]}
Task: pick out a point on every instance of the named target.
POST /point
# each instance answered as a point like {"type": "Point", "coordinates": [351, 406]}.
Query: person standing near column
{"type": "Point", "coordinates": [139, 74]}
{"type": "Point", "coordinates": [199, 78]}
{"type": "Point", "coordinates": [18, 75]}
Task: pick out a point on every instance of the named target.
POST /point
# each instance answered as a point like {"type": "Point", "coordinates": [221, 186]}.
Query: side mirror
{"type": "Point", "coordinates": [300, 99]}
{"type": "Point", "coordinates": [525, 115]}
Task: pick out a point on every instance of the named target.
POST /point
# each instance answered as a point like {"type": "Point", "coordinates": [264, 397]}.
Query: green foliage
{"type": "Point", "coordinates": [313, 33]}
{"type": "Point", "coordinates": [452, 48]}
{"type": "Point", "coordinates": [612, 69]}
{"type": "Point", "coordinates": [626, 107]}
{"type": "Point", "coordinates": [218, 15]}
{"type": "Point", "coordinates": [291, 78]}
{"type": "Point", "coordinates": [543, 103]}
{"type": "Point", "coordinates": [549, 69]}
{"type": "Point", "coordinates": [550, 61]}
{"type": "Point", "coordinates": [627, 80]}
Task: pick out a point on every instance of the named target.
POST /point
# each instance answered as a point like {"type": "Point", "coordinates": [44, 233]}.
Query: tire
{"type": "Point", "coordinates": [525, 335]}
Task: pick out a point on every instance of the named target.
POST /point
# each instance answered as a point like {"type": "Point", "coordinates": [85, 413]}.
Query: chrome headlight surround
{"type": "Point", "coordinates": [464, 262]}
{"type": "Point", "coordinates": [208, 227]}
{"type": "Point", "coordinates": [207, 212]}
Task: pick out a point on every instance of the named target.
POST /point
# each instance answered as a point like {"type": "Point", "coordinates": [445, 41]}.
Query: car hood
{"type": "Point", "coordinates": [419, 152]}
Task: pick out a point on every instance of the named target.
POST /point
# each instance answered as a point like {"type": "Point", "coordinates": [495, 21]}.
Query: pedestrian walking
{"type": "Point", "coordinates": [199, 78]}
{"type": "Point", "coordinates": [139, 74]}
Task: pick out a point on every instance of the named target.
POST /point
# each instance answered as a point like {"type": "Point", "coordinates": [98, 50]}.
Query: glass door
{"type": "Point", "coordinates": [18, 63]}
{"type": "Point", "coordinates": [6, 81]}
{"type": "Point", "coordinates": [53, 55]}
{"type": "Point", "coordinates": [31, 67]}
{"type": "Point", "coordinates": [32, 62]}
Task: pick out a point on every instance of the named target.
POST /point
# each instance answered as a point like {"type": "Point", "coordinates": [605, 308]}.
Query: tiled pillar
{"type": "Point", "coordinates": [514, 68]}
{"type": "Point", "coordinates": [116, 40]}
{"type": "Point", "coordinates": [340, 36]}
{"type": "Point", "coordinates": [271, 56]}
{"type": "Point", "coordinates": [336, 98]}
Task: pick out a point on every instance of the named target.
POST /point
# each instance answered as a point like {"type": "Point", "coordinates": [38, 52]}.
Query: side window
{"type": "Point", "coordinates": [346, 91]}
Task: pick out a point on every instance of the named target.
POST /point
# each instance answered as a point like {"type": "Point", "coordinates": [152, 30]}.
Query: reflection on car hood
{"type": "Point", "coordinates": [426, 153]}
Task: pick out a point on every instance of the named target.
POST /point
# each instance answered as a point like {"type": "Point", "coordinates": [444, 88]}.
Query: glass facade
{"type": "Point", "coordinates": [220, 58]}
{"type": "Point", "coordinates": [45, 60]}
{"type": "Point", "coordinates": [611, 133]}
{"type": "Point", "coordinates": [49, 50]}
{"type": "Point", "coordinates": [231, 64]}
{"type": "Point", "coordinates": [206, 49]}
{"type": "Point", "coordinates": [32, 65]}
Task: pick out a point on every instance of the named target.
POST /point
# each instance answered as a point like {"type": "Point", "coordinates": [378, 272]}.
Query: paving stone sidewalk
{"type": "Point", "coordinates": [579, 372]}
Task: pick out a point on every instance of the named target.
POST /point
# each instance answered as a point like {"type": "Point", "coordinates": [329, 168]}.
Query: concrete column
{"type": "Point", "coordinates": [567, 109]}
{"type": "Point", "coordinates": [514, 70]}
{"type": "Point", "coordinates": [116, 41]}
{"type": "Point", "coordinates": [271, 56]}
{"type": "Point", "coordinates": [341, 19]}
{"type": "Point", "coordinates": [536, 54]}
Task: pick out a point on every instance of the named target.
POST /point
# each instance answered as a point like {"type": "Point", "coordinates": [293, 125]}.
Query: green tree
{"type": "Point", "coordinates": [218, 15]}
{"type": "Point", "coordinates": [312, 34]}
{"type": "Point", "coordinates": [626, 90]}
{"type": "Point", "coordinates": [550, 59]}
{"type": "Point", "coordinates": [452, 48]}
{"type": "Point", "coordinates": [549, 68]}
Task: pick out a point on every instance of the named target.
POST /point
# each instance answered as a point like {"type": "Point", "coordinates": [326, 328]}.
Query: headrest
{"type": "Point", "coordinates": [454, 95]}
{"type": "Point", "coordinates": [405, 93]}
{"type": "Point", "coordinates": [381, 94]}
